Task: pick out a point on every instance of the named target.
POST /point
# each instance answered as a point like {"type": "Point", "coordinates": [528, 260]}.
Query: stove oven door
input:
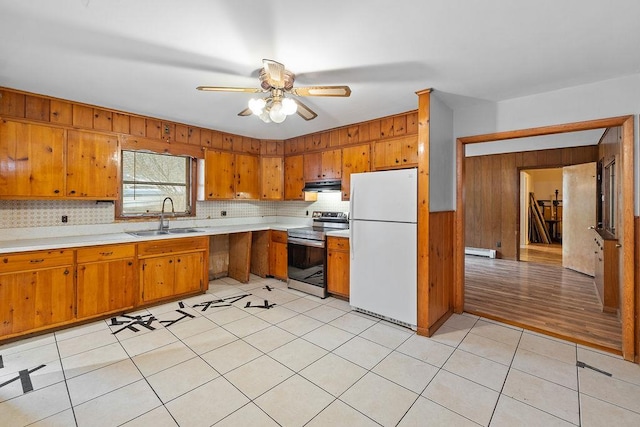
{"type": "Point", "coordinates": [306, 268]}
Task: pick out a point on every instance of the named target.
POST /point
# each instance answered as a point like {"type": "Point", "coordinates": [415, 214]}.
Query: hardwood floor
{"type": "Point", "coordinates": [546, 298]}
{"type": "Point", "coordinates": [542, 253]}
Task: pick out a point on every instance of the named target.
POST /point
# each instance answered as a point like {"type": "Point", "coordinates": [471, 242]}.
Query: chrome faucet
{"type": "Point", "coordinates": [164, 225]}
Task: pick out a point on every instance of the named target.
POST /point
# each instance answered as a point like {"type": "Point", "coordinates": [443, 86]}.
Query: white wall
{"type": "Point", "coordinates": [609, 98]}
{"type": "Point", "coordinates": [442, 153]}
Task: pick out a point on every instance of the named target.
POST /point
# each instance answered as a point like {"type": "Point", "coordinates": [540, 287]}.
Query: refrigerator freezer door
{"type": "Point", "coordinates": [383, 276]}
{"type": "Point", "coordinates": [385, 196]}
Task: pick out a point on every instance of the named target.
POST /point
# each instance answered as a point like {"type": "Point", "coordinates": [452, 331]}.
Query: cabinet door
{"type": "Point", "coordinates": [332, 164]}
{"type": "Point", "coordinates": [188, 270]}
{"type": "Point", "coordinates": [354, 160]}
{"type": "Point", "coordinates": [31, 160]}
{"type": "Point", "coordinates": [92, 165]}
{"type": "Point", "coordinates": [272, 178]}
{"type": "Point", "coordinates": [247, 177]}
{"type": "Point", "coordinates": [338, 273]}
{"type": "Point", "coordinates": [157, 278]}
{"type": "Point", "coordinates": [410, 150]}
{"type": "Point", "coordinates": [313, 167]}
{"type": "Point", "coordinates": [218, 176]}
{"type": "Point", "coordinates": [105, 287]}
{"type": "Point", "coordinates": [293, 178]}
{"type": "Point", "coordinates": [35, 299]}
{"type": "Point", "coordinates": [387, 154]}
{"type": "Point", "coordinates": [278, 261]}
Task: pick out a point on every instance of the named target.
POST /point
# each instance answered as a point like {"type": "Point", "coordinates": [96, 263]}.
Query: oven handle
{"type": "Point", "coordinates": [306, 242]}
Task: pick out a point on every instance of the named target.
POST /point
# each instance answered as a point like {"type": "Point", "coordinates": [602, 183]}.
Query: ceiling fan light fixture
{"type": "Point", "coordinates": [276, 113]}
{"type": "Point", "coordinates": [257, 105]}
{"type": "Point", "coordinates": [289, 106]}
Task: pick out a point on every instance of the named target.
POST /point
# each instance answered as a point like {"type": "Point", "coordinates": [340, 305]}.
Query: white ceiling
{"type": "Point", "coordinates": [147, 56]}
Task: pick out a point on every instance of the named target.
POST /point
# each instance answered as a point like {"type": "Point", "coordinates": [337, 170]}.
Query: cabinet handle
{"type": "Point", "coordinates": [35, 261]}
{"type": "Point", "coordinates": [66, 272]}
{"type": "Point", "coordinates": [618, 245]}
{"type": "Point", "coordinates": [130, 263]}
{"type": "Point", "coordinates": [72, 192]}
{"type": "Point", "coordinates": [56, 191]}
{"type": "Point", "coordinates": [170, 261]}
{"type": "Point", "coordinates": [106, 253]}
{"type": "Point", "coordinates": [179, 259]}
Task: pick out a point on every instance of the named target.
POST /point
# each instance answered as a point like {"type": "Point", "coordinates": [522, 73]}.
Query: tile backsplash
{"type": "Point", "coordinates": [48, 213]}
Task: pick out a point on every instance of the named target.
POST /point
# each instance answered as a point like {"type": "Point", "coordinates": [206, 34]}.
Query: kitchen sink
{"type": "Point", "coordinates": [147, 233]}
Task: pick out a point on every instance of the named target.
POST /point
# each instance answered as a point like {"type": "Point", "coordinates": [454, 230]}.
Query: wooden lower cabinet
{"type": "Point", "coordinates": [106, 279]}
{"type": "Point", "coordinates": [278, 259]}
{"type": "Point", "coordinates": [36, 291]}
{"type": "Point", "coordinates": [338, 266]}
{"type": "Point", "coordinates": [606, 272]}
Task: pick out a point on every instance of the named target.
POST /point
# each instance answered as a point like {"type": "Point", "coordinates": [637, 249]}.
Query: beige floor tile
{"type": "Point", "coordinates": [595, 413]}
{"type": "Point", "coordinates": [276, 296]}
{"type": "Point", "coordinates": [510, 412]}
{"type": "Point", "coordinates": [181, 378]}
{"type": "Point", "coordinates": [301, 305]}
{"type": "Point", "coordinates": [615, 365]}
{"type": "Point", "coordinates": [300, 325]}
{"type": "Point", "coordinates": [61, 419]}
{"type": "Point", "coordinates": [488, 348]}
{"type": "Point", "coordinates": [34, 406]}
{"type": "Point", "coordinates": [341, 414]}
{"type": "Point", "coordinates": [544, 395]}
{"type": "Point", "coordinates": [101, 381]}
{"type": "Point", "coordinates": [425, 412]}
{"type": "Point", "coordinates": [224, 291]}
{"type": "Point", "coordinates": [461, 321]}
{"type": "Point", "coordinates": [294, 402]}
{"type": "Point", "coordinates": [27, 343]}
{"type": "Point", "coordinates": [497, 332]}
{"type": "Point", "coordinates": [386, 334]}
{"type": "Point", "coordinates": [231, 356]}
{"type": "Point", "coordinates": [28, 359]}
{"type": "Point", "coordinates": [406, 371]}
{"type": "Point", "coordinates": [80, 344]}
{"type": "Point", "coordinates": [427, 350]}
{"type": "Point", "coordinates": [276, 314]}
{"type": "Point", "coordinates": [339, 303]}
{"type": "Point", "coordinates": [223, 315]}
{"type": "Point", "coordinates": [189, 327]}
{"type": "Point", "coordinates": [462, 396]}
{"type": "Point", "coordinates": [328, 337]}
{"type": "Point", "coordinates": [547, 368]}
{"type": "Point", "coordinates": [162, 358]}
{"type": "Point", "coordinates": [207, 404]}
{"type": "Point", "coordinates": [45, 376]}
{"type": "Point", "coordinates": [246, 326]}
{"type": "Point", "coordinates": [362, 352]}
{"type": "Point", "coordinates": [248, 415]}
{"type": "Point", "coordinates": [147, 342]}
{"type": "Point", "coordinates": [382, 400]}
{"type": "Point", "coordinates": [209, 340]}
{"type": "Point", "coordinates": [254, 303]}
{"type": "Point", "coordinates": [77, 331]}
{"type": "Point", "coordinates": [353, 323]}
{"type": "Point", "coordinates": [258, 376]}
{"type": "Point", "coordinates": [97, 358]}
{"type": "Point", "coordinates": [158, 417]}
{"type": "Point", "coordinates": [609, 389]}
{"type": "Point", "coordinates": [333, 374]}
{"type": "Point", "coordinates": [549, 347]}
{"type": "Point", "coordinates": [324, 313]}
{"type": "Point", "coordinates": [298, 354]}
{"type": "Point", "coordinates": [117, 407]}
{"type": "Point", "coordinates": [450, 336]}
{"type": "Point", "coordinates": [477, 369]}
{"type": "Point", "coordinates": [269, 339]}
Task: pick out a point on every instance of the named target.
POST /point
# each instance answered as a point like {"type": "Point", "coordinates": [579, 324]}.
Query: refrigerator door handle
{"type": "Point", "coordinates": [352, 240]}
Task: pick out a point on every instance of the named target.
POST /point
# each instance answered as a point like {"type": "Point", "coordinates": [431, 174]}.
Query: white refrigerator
{"type": "Point", "coordinates": [383, 241]}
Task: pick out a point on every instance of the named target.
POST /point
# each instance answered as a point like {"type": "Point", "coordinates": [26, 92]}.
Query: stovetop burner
{"type": "Point", "coordinates": [322, 222]}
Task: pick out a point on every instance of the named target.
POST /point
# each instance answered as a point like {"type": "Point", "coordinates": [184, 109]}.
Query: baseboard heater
{"type": "Point", "coordinates": [388, 319]}
{"type": "Point", "coordinates": [490, 253]}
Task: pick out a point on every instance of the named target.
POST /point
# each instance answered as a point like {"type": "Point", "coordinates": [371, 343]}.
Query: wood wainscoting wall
{"type": "Point", "coordinates": [491, 193]}
{"type": "Point", "coordinates": [441, 272]}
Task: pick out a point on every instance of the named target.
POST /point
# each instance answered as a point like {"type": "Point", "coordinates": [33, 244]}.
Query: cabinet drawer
{"type": "Point", "coordinates": [187, 244]}
{"type": "Point", "coordinates": [35, 260]}
{"type": "Point", "coordinates": [105, 253]}
{"type": "Point", "coordinates": [279, 236]}
{"type": "Point", "coordinates": [338, 243]}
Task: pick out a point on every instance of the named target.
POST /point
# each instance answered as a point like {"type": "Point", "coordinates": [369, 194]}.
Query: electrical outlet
{"type": "Point", "coordinates": [498, 244]}
{"type": "Point", "coordinates": [64, 218]}
{"type": "Point", "coordinates": [223, 213]}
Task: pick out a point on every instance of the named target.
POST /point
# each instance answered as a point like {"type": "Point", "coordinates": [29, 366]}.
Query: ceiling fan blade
{"type": "Point", "coordinates": [304, 111]}
{"type": "Point", "coordinates": [322, 91]}
{"type": "Point", "coordinates": [245, 112]}
{"type": "Point", "coordinates": [229, 89]}
{"type": "Point", "coordinates": [275, 73]}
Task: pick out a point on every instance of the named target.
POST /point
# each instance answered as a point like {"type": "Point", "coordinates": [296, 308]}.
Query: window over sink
{"type": "Point", "coordinates": [148, 178]}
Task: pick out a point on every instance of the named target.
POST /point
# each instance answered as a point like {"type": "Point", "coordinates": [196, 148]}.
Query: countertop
{"type": "Point", "coordinates": [48, 243]}
{"type": "Point", "coordinates": [339, 233]}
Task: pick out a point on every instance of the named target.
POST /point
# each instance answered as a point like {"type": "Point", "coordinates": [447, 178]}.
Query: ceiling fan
{"type": "Point", "coordinates": [277, 82]}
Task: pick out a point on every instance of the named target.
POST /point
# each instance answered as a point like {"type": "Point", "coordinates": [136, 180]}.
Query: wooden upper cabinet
{"type": "Point", "coordinates": [219, 169]}
{"type": "Point", "coordinates": [395, 153]}
{"type": "Point", "coordinates": [322, 166]}
{"type": "Point", "coordinates": [247, 177]}
{"type": "Point", "coordinates": [272, 178]}
{"type": "Point", "coordinates": [92, 165]}
{"type": "Point", "coordinates": [293, 178]}
{"type": "Point", "coordinates": [31, 160]}
{"type": "Point", "coordinates": [354, 160]}
{"type": "Point", "coordinates": [312, 167]}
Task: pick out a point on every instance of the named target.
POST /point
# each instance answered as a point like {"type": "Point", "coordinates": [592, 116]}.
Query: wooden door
{"type": "Point", "coordinates": [293, 178]}
{"type": "Point", "coordinates": [92, 165]}
{"type": "Point", "coordinates": [247, 177]}
{"type": "Point", "coordinates": [278, 258]}
{"type": "Point", "coordinates": [579, 213]}
{"type": "Point", "coordinates": [332, 164]}
{"type": "Point", "coordinates": [104, 287]}
{"type": "Point", "coordinates": [189, 271]}
{"type": "Point", "coordinates": [338, 263]}
{"type": "Point", "coordinates": [218, 177]}
{"type": "Point", "coordinates": [31, 160]}
{"type": "Point", "coordinates": [157, 277]}
{"type": "Point", "coordinates": [312, 167]}
{"type": "Point", "coordinates": [354, 160]}
{"type": "Point", "coordinates": [272, 178]}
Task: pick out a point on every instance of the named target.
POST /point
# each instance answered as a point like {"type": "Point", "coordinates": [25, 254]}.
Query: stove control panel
{"type": "Point", "coordinates": [334, 215]}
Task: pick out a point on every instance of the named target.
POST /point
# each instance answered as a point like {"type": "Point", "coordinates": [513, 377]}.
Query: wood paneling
{"type": "Point", "coordinates": [441, 241]}
{"type": "Point", "coordinates": [37, 108]}
{"type": "Point", "coordinates": [239, 256]}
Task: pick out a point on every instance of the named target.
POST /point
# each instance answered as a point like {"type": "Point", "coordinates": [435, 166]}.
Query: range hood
{"type": "Point", "coordinates": [323, 186]}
